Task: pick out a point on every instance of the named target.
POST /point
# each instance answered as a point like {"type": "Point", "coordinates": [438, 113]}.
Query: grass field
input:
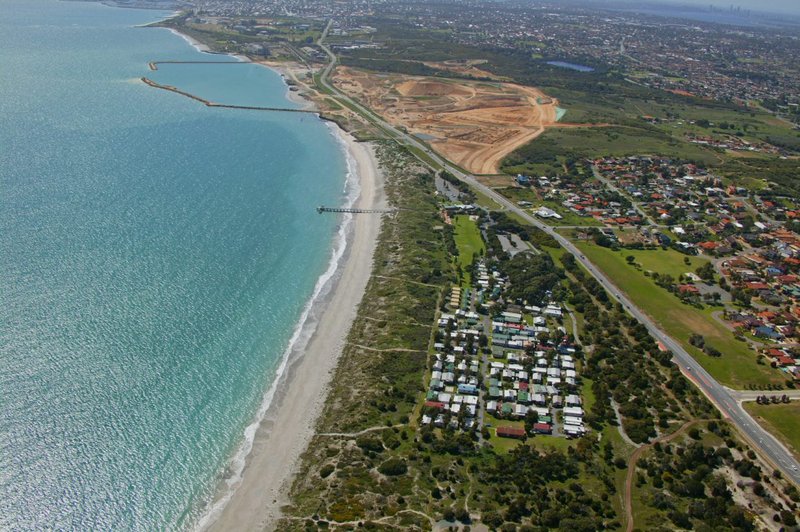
{"type": "Point", "coordinates": [557, 145]}
{"type": "Point", "coordinates": [664, 261]}
{"type": "Point", "coordinates": [782, 421]}
{"type": "Point", "coordinates": [469, 243]}
{"type": "Point", "coordinates": [542, 442]}
{"type": "Point", "coordinates": [735, 368]}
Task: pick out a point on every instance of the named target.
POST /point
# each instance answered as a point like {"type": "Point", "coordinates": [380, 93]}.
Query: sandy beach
{"type": "Point", "coordinates": [289, 75]}
{"type": "Point", "coordinates": [289, 423]}
{"type": "Point", "coordinates": [253, 501]}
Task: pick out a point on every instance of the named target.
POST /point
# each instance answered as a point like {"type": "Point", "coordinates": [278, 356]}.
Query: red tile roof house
{"type": "Point", "coordinates": [510, 432]}
{"type": "Point", "coordinates": [688, 289]}
{"type": "Point", "coordinates": [542, 428]}
{"type": "Point", "coordinates": [707, 246]}
{"type": "Point", "coordinates": [748, 322]}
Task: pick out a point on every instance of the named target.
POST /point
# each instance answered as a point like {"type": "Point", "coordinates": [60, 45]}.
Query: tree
{"type": "Point", "coordinates": [449, 515]}
{"type": "Point", "coordinates": [788, 518]}
{"type": "Point", "coordinates": [631, 259]}
{"type": "Point", "coordinates": [462, 515]}
{"type": "Point", "coordinates": [706, 271]}
{"type": "Point", "coordinates": [697, 340]}
{"type": "Point", "coordinates": [531, 418]}
{"type": "Point", "coordinates": [393, 467]}
{"type": "Point", "coordinates": [483, 341]}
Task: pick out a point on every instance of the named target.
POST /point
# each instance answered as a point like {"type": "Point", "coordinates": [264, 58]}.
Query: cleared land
{"type": "Point", "coordinates": [735, 368]}
{"type": "Point", "coordinates": [475, 124]}
{"type": "Point", "coordinates": [782, 420]}
{"type": "Point", "coordinates": [466, 67]}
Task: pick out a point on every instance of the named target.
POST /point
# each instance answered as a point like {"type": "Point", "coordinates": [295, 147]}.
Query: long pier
{"type": "Point", "coordinates": [322, 209]}
{"type": "Point", "coordinates": [207, 103]}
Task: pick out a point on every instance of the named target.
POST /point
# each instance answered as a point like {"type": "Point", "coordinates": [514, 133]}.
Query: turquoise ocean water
{"type": "Point", "coordinates": [155, 258]}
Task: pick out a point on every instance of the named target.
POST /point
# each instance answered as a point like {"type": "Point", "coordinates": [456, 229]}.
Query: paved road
{"type": "Point", "coordinates": [752, 395]}
{"type": "Point", "coordinates": [768, 447]}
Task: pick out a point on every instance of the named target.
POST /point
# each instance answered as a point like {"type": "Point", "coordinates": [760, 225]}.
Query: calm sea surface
{"type": "Point", "coordinates": [155, 257]}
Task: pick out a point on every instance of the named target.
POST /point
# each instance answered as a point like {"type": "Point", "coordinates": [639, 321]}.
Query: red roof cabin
{"type": "Point", "coordinates": [510, 432]}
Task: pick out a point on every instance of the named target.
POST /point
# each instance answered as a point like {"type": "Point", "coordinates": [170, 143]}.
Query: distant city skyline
{"type": "Point", "coordinates": [764, 6]}
{"type": "Point", "coordinates": [778, 6]}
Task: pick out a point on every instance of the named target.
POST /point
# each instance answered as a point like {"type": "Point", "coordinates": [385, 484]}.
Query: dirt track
{"type": "Point", "coordinates": [473, 123]}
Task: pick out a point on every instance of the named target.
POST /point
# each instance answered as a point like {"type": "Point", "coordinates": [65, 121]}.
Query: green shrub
{"type": "Point", "coordinates": [326, 470]}
{"type": "Point", "coordinates": [368, 442]}
{"type": "Point", "coordinates": [393, 467]}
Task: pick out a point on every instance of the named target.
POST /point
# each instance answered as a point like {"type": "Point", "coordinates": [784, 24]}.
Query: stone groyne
{"type": "Point", "coordinates": [207, 103]}
{"type": "Point", "coordinates": [154, 64]}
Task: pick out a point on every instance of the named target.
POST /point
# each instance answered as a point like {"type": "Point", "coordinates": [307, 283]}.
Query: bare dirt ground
{"type": "Point", "coordinates": [496, 181]}
{"type": "Point", "coordinates": [468, 67]}
{"type": "Point", "coordinates": [472, 123]}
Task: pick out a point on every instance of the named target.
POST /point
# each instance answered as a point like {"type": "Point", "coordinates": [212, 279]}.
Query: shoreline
{"type": "Point", "coordinates": [300, 393]}
{"type": "Point", "coordinates": [264, 465]}
{"type": "Point", "coordinates": [197, 45]}
{"type": "Point", "coordinates": [297, 96]}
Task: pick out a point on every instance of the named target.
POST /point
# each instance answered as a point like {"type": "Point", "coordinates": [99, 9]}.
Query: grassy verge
{"type": "Point", "coordinates": [735, 368]}
{"type": "Point", "coordinates": [782, 421]}
{"type": "Point", "coordinates": [664, 261]}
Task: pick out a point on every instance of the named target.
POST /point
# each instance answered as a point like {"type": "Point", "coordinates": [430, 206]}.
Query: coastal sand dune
{"type": "Point", "coordinates": [289, 424]}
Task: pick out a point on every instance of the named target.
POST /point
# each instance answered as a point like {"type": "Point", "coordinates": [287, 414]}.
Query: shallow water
{"type": "Point", "coordinates": [155, 255]}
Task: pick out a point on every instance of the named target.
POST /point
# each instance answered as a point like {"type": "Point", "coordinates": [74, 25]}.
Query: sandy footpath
{"type": "Point", "coordinates": [289, 424]}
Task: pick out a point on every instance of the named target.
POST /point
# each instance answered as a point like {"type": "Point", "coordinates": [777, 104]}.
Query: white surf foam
{"type": "Point", "coordinates": [303, 331]}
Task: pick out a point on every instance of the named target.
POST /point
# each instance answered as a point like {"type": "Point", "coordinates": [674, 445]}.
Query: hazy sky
{"type": "Point", "coordinates": [781, 6]}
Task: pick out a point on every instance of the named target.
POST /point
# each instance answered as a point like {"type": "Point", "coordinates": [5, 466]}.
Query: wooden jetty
{"type": "Point", "coordinates": [322, 209]}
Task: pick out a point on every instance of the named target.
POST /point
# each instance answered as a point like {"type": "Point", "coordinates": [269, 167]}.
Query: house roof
{"type": "Point", "coordinates": [510, 431]}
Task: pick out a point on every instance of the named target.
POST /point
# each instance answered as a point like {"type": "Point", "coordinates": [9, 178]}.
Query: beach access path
{"type": "Point", "coordinates": [291, 419]}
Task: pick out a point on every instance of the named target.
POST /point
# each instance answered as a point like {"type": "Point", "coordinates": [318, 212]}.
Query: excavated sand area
{"type": "Point", "coordinates": [473, 123]}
